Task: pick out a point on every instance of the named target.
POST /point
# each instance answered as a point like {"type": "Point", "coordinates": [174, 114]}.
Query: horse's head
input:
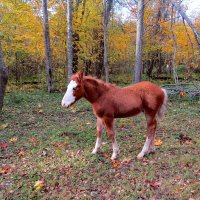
{"type": "Point", "coordinates": [74, 90]}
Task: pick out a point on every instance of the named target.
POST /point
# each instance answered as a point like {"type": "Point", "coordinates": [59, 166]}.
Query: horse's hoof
{"type": "Point", "coordinates": [140, 156]}
{"type": "Point", "coordinates": [114, 157]}
{"type": "Point", "coordinates": [94, 151]}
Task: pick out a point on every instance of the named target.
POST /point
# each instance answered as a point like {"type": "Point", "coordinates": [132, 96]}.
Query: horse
{"type": "Point", "coordinates": [110, 101]}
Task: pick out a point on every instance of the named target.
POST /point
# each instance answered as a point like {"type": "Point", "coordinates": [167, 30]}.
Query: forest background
{"type": "Point", "coordinates": [45, 150]}
{"type": "Point", "coordinates": [169, 44]}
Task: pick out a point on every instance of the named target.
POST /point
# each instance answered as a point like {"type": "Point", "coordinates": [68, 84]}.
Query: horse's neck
{"type": "Point", "coordinates": [93, 89]}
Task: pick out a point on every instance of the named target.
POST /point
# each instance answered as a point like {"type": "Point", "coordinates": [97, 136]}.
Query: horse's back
{"type": "Point", "coordinates": [152, 95]}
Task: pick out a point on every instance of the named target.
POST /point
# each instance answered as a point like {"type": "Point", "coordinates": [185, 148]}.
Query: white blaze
{"type": "Point", "coordinates": [69, 98]}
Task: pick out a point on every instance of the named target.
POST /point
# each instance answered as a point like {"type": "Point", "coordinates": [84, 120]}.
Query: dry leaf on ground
{"type": "Point", "coordinates": [158, 142]}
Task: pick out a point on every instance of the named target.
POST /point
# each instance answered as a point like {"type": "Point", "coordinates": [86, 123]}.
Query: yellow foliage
{"type": "Point", "coordinates": [22, 31]}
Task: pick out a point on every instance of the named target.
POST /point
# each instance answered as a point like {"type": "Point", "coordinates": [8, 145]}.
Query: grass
{"type": "Point", "coordinates": [46, 143]}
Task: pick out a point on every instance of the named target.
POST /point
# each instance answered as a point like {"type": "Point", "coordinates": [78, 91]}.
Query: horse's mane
{"type": "Point", "coordinates": [99, 82]}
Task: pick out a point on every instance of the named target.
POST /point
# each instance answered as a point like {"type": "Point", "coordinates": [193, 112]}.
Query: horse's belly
{"type": "Point", "coordinates": [127, 112]}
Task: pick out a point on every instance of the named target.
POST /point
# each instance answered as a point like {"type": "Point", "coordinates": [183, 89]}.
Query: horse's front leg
{"type": "Point", "coordinates": [111, 134]}
{"type": "Point", "coordinates": [99, 135]}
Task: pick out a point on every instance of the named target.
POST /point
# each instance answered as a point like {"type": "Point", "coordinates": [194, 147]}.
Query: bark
{"type": "Point", "coordinates": [3, 78]}
{"type": "Point", "coordinates": [175, 49]}
{"type": "Point", "coordinates": [99, 51]}
{"type": "Point", "coordinates": [189, 22]}
{"type": "Point", "coordinates": [105, 56]}
{"type": "Point", "coordinates": [47, 48]}
{"type": "Point", "coordinates": [139, 41]}
{"type": "Point", "coordinates": [69, 40]}
{"type": "Point", "coordinates": [188, 36]}
{"type": "Point", "coordinates": [107, 6]}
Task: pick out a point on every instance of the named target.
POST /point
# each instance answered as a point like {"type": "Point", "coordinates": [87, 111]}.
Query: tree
{"type": "Point", "coordinates": [69, 39]}
{"type": "Point", "coordinates": [189, 22]}
{"type": "Point", "coordinates": [47, 48]}
{"type": "Point", "coordinates": [107, 6]}
{"type": "Point", "coordinates": [3, 78]}
{"type": "Point", "coordinates": [139, 41]}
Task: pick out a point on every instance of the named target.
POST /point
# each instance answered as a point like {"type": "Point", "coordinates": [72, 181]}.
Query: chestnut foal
{"type": "Point", "coordinates": [110, 101]}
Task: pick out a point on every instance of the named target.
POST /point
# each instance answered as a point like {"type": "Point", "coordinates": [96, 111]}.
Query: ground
{"type": "Point", "coordinates": [40, 141]}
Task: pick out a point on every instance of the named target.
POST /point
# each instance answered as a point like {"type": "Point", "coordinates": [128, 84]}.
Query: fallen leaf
{"type": "Point", "coordinates": [40, 111]}
{"type": "Point", "coordinates": [126, 160]}
{"type": "Point", "coordinates": [133, 181]}
{"type": "Point", "coordinates": [33, 140]}
{"type": "Point", "coordinates": [39, 105]}
{"type": "Point", "coordinates": [106, 155]}
{"type": "Point", "coordinates": [116, 163]}
{"type": "Point", "coordinates": [155, 184]}
{"type": "Point", "coordinates": [185, 139]}
{"type": "Point", "coordinates": [183, 94]}
{"type": "Point", "coordinates": [39, 185]}
{"type": "Point", "coordinates": [22, 153]}
{"type": "Point", "coordinates": [13, 139]}
{"type": "Point", "coordinates": [3, 145]}
{"type": "Point", "coordinates": [59, 144]}
{"type": "Point", "coordinates": [5, 169]}
{"type": "Point", "coordinates": [158, 142]}
{"type": "Point", "coordinates": [58, 151]}
{"type": "Point", "coordinates": [73, 110]}
{"type": "Point", "coordinates": [3, 126]}
{"type": "Point", "coordinates": [56, 184]}
{"type": "Point", "coordinates": [145, 162]}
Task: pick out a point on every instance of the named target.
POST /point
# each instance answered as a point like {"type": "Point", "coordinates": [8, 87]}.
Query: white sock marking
{"type": "Point", "coordinates": [115, 150]}
{"type": "Point", "coordinates": [97, 145]}
{"type": "Point", "coordinates": [145, 148]}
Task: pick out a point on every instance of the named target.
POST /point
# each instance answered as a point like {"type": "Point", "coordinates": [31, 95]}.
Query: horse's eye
{"type": "Point", "coordinates": [74, 88]}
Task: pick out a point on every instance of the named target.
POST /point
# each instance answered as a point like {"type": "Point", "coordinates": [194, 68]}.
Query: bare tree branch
{"type": "Point", "coordinates": [189, 22]}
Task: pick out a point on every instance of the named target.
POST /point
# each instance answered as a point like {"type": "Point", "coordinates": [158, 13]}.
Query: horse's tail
{"type": "Point", "coordinates": [163, 107]}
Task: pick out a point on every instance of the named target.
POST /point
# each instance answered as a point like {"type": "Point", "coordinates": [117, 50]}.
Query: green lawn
{"type": "Point", "coordinates": [40, 141]}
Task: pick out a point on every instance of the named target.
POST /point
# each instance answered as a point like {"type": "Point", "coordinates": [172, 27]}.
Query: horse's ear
{"type": "Point", "coordinates": [80, 75]}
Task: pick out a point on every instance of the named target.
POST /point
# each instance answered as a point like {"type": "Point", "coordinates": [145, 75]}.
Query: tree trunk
{"type": "Point", "coordinates": [189, 22]}
{"type": "Point", "coordinates": [99, 51]}
{"type": "Point", "coordinates": [47, 48]}
{"type": "Point", "coordinates": [3, 78]}
{"type": "Point", "coordinates": [175, 76]}
{"type": "Point", "coordinates": [189, 39]}
{"type": "Point", "coordinates": [105, 54]}
{"type": "Point", "coordinates": [107, 7]}
{"type": "Point", "coordinates": [139, 41]}
{"type": "Point", "coordinates": [69, 39]}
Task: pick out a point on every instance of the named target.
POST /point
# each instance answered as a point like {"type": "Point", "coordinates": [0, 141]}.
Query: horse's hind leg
{"type": "Point", "coordinates": [151, 129]}
{"type": "Point", "coordinates": [99, 135]}
{"type": "Point", "coordinates": [111, 134]}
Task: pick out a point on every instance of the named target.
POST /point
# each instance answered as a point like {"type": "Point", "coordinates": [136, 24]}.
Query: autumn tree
{"type": "Point", "coordinates": [47, 47]}
{"type": "Point", "coordinates": [69, 39]}
{"type": "Point", "coordinates": [24, 49]}
{"type": "Point", "coordinates": [107, 6]}
{"type": "Point", "coordinates": [3, 78]}
{"type": "Point", "coordinates": [139, 42]}
{"type": "Point", "coordinates": [189, 22]}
